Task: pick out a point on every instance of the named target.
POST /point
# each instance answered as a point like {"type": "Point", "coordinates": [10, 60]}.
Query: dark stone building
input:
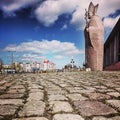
{"type": "Point", "coordinates": [112, 49]}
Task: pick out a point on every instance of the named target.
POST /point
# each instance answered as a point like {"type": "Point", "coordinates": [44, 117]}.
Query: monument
{"type": "Point", "coordinates": [94, 39]}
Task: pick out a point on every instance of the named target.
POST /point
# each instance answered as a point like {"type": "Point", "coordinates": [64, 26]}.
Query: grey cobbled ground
{"type": "Point", "coordinates": [60, 96]}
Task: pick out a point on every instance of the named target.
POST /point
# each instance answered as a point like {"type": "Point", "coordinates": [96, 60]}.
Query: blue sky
{"type": "Point", "coordinates": [51, 29]}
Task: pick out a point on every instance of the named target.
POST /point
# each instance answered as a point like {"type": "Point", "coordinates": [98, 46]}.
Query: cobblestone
{"type": "Point", "coordinates": [32, 108]}
{"type": "Point", "coordinates": [17, 102]}
{"type": "Point", "coordinates": [114, 94]}
{"type": "Point", "coordinates": [35, 96]}
{"type": "Point", "coordinates": [103, 118]}
{"type": "Point", "coordinates": [62, 96]}
{"type": "Point", "coordinates": [31, 118]}
{"type": "Point", "coordinates": [90, 108]}
{"type": "Point", "coordinates": [75, 97]}
{"type": "Point", "coordinates": [7, 110]}
{"type": "Point", "coordinates": [114, 103]}
{"type": "Point", "coordinates": [67, 117]}
{"type": "Point", "coordinates": [56, 97]}
{"type": "Point", "coordinates": [60, 106]}
{"type": "Point", "coordinates": [97, 96]}
{"type": "Point", "coordinates": [11, 96]}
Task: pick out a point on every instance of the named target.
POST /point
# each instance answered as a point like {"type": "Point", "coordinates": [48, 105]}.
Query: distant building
{"type": "Point", "coordinates": [27, 67]}
{"type": "Point", "coordinates": [37, 66]}
{"type": "Point", "coordinates": [48, 65]}
{"type": "Point", "coordinates": [6, 66]}
{"type": "Point", "coordinates": [112, 49]}
{"type": "Point", "coordinates": [46, 62]}
{"type": "Point", "coordinates": [52, 66]}
{"type": "Point", "coordinates": [7, 69]}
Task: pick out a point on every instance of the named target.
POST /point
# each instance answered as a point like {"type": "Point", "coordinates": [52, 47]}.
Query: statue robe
{"type": "Point", "coordinates": [94, 43]}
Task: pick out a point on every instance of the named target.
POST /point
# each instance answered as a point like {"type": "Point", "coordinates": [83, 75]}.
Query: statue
{"type": "Point", "coordinates": [94, 39]}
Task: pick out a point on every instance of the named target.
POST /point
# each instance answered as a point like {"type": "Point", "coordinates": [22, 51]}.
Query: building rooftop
{"type": "Point", "coordinates": [115, 29]}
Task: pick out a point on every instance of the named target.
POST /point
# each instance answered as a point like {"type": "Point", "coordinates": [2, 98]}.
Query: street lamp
{"type": "Point", "coordinates": [12, 56]}
{"type": "Point", "coordinates": [72, 62]}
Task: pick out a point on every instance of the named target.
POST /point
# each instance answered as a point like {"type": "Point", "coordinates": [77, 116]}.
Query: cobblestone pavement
{"type": "Point", "coordinates": [63, 96]}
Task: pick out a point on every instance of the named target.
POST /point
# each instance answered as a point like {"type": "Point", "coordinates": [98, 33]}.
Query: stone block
{"type": "Point", "coordinates": [31, 118]}
{"type": "Point", "coordinates": [17, 102]}
{"type": "Point", "coordinates": [76, 97]}
{"type": "Point", "coordinates": [11, 96]}
{"type": "Point", "coordinates": [114, 103]}
{"type": "Point", "coordinates": [32, 108]}
{"type": "Point", "coordinates": [114, 94]}
{"type": "Point", "coordinates": [67, 117]}
{"type": "Point", "coordinates": [103, 118]}
{"type": "Point", "coordinates": [97, 96]}
{"type": "Point", "coordinates": [7, 110]}
{"type": "Point", "coordinates": [90, 108]}
{"type": "Point", "coordinates": [60, 106]}
{"type": "Point", "coordinates": [35, 96]}
{"type": "Point", "coordinates": [56, 97]}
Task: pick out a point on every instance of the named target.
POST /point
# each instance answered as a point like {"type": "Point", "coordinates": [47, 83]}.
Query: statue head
{"type": "Point", "coordinates": [92, 9]}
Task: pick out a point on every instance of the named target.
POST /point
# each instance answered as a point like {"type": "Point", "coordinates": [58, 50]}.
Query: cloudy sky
{"type": "Point", "coordinates": [49, 29]}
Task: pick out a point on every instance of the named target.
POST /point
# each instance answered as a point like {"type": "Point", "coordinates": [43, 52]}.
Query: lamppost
{"type": "Point", "coordinates": [12, 56]}
{"type": "Point", "coordinates": [72, 62]}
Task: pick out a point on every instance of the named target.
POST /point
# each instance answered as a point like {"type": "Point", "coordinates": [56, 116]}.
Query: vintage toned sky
{"type": "Point", "coordinates": [52, 29]}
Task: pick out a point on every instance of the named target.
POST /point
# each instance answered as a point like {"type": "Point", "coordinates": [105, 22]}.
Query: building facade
{"type": "Point", "coordinates": [48, 65]}
{"type": "Point", "coordinates": [37, 66]}
{"type": "Point", "coordinates": [112, 49]}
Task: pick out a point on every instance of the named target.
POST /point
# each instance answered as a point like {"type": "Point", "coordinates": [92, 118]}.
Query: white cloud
{"type": "Point", "coordinates": [49, 11]}
{"type": "Point", "coordinates": [108, 7]}
{"type": "Point", "coordinates": [105, 9]}
{"type": "Point", "coordinates": [32, 57]}
{"type": "Point", "coordinates": [47, 47]}
{"type": "Point", "coordinates": [56, 51]}
{"type": "Point", "coordinates": [10, 6]}
{"type": "Point", "coordinates": [110, 22]}
{"type": "Point", "coordinates": [59, 57]}
{"type": "Point", "coordinates": [78, 19]}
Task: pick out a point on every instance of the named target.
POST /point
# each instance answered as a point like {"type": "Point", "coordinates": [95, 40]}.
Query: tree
{"type": "Point", "coordinates": [68, 66]}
